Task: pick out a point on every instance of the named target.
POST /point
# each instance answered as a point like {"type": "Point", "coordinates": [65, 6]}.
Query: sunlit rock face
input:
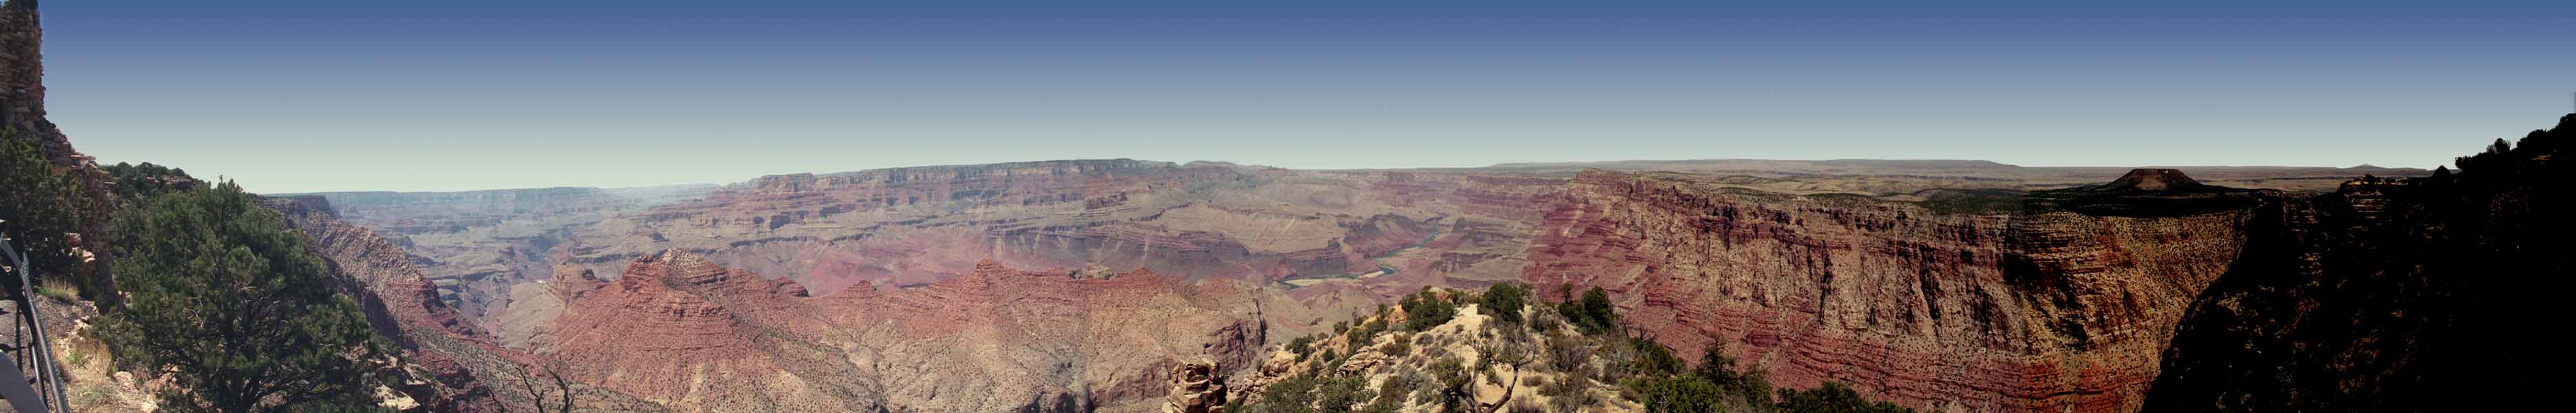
{"type": "Point", "coordinates": [678, 330]}
{"type": "Point", "coordinates": [1970, 291]}
{"type": "Point", "coordinates": [2042, 309]}
{"type": "Point", "coordinates": [403, 305]}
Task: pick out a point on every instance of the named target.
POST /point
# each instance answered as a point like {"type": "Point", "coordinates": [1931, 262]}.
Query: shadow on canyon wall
{"type": "Point", "coordinates": [2420, 294]}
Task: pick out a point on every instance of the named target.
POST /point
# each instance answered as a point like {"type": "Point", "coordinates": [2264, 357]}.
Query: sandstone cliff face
{"type": "Point", "coordinates": [404, 306]}
{"type": "Point", "coordinates": [681, 331]}
{"type": "Point", "coordinates": [476, 247]}
{"type": "Point", "coordinates": [377, 267]}
{"type": "Point", "coordinates": [22, 112]}
{"type": "Point", "coordinates": [911, 225]}
{"type": "Point", "coordinates": [2045, 310]}
{"type": "Point", "coordinates": [645, 336]}
{"type": "Point", "coordinates": [1351, 237]}
{"type": "Point", "coordinates": [1196, 387]}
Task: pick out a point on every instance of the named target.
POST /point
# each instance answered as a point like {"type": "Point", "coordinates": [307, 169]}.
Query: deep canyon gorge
{"type": "Point", "coordinates": [1126, 285]}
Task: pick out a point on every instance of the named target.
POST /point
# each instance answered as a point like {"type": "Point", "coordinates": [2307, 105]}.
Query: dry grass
{"type": "Point", "coordinates": [58, 288]}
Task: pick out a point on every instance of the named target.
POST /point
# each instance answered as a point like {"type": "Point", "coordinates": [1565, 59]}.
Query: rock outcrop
{"type": "Point", "coordinates": [652, 335]}
{"type": "Point", "coordinates": [22, 115]}
{"type": "Point", "coordinates": [2052, 308]}
{"type": "Point", "coordinates": [1197, 387]}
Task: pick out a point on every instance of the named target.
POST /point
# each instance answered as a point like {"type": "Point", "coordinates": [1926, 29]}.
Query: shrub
{"type": "Point", "coordinates": [1342, 393]}
{"type": "Point", "coordinates": [1653, 359]}
{"type": "Point", "coordinates": [1568, 354]}
{"type": "Point", "coordinates": [1833, 397]}
{"type": "Point", "coordinates": [1366, 332]}
{"type": "Point", "coordinates": [1449, 380]}
{"type": "Point", "coordinates": [39, 210]}
{"type": "Point", "coordinates": [1681, 394]}
{"type": "Point", "coordinates": [224, 291]}
{"type": "Point", "coordinates": [1504, 302]}
{"type": "Point", "coordinates": [1593, 313]}
{"type": "Point", "coordinates": [136, 184]}
{"type": "Point", "coordinates": [1400, 346]}
{"type": "Point", "coordinates": [1567, 394]}
{"type": "Point", "coordinates": [1294, 395]}
{"type": "Point", "coordinates": [1543, 322]}
{"type": "Point", "coordinates": [1717, 368]}
{"type": "Point", "coordinates": [1400, 385]}
{"type": "Point", "coordinates": [1426, 310]}
{"type": "Point", "coordinates": [56, 293]}
{"type": "Point", "coordinates": [1385, 406]}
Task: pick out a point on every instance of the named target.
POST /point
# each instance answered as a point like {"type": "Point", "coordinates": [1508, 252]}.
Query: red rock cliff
{"type": "Point", "coordinates": [678, 330]}
{"type": "Point", "coordinates": [404, 306]}
{"type": "Point", "coordinates": [2037, 311]}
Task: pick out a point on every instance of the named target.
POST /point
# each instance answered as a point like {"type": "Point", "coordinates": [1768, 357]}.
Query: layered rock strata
{"type": "Point", "coordinates": [1197, 387]}
{"type": "Point", "coordinates": [404, 306]}
{"type": "Point", "coordinates": [681, 331]}
{"type": "Point", "coordinates": [477, 246]}
{"type": "Point", "coordinates": [2050, 309]}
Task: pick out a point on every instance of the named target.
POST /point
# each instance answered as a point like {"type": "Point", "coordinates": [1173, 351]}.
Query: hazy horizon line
{"type": "Point", "coordinates": [2184, 168]}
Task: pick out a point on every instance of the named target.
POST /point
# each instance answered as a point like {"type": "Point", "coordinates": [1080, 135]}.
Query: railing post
{"type": "Point", "coordinates": [41, 359]}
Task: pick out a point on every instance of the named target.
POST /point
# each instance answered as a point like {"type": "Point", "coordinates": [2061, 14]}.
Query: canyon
{"type": "Point", "coordinates": [1960, 286]}
{"type": "Point", "coordinates": [1133, 285]}
{"type": "Point", "coordinates": [2043, 309]}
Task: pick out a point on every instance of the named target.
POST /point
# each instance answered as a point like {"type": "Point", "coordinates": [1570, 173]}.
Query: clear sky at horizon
{"type": "Point", "coordinates": [295, 96]}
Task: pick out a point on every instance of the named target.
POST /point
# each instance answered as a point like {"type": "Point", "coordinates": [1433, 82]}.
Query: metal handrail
{"type": "Point", "coordinates": [22, 393]}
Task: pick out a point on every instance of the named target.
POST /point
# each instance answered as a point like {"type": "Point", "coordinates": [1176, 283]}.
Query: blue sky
{"type": "Point", "coordinates": [446, 95]}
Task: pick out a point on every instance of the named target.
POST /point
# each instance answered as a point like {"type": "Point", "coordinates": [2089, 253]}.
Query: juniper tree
{"type": "Point", "coordinates": [38, 210]}
{"type": "Point", "coordinates": [232, 301]}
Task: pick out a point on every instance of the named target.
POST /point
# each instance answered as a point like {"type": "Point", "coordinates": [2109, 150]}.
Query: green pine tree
{"type": "Point", "coordinates": [38, 211]}
{"type": "Point", "coordinates": [221, 290]}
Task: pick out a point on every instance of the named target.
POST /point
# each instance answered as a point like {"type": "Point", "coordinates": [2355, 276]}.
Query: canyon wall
{"type": "Point", "coordinates": [682, 331]}
{"type": "Point", "coordinates": [1955, 293]}
{"type": "Point", "coordinates": [2423, 294]}
{"type": "Point", "coordinates": [476, 247]}
{"type": "Point", "coordinates": [1945, 293]}
{"type": "Point", "coordinates": [2049, 308]}
{"type": "Point", "coordinates": [460, 362]}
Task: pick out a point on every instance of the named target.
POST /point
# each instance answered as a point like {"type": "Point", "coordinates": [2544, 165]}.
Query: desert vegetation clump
{"type": "Point", "coordinates": [1503, 302]}
{"type": "Point", "coordinates": [40, 212]}
{"type": "Point", "coordinates": [1400, 345]}
{"type": "Point", "coordinates": [1427, 309]}
{"type": "Point", "coordinates": [1518, 367]}
{"type": "Point", "coordinates": [230, 302]}
{"type": "Point", "coordinates": [1592, 314]}
{"type": "Point", "coordinates": [1528, 363]}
